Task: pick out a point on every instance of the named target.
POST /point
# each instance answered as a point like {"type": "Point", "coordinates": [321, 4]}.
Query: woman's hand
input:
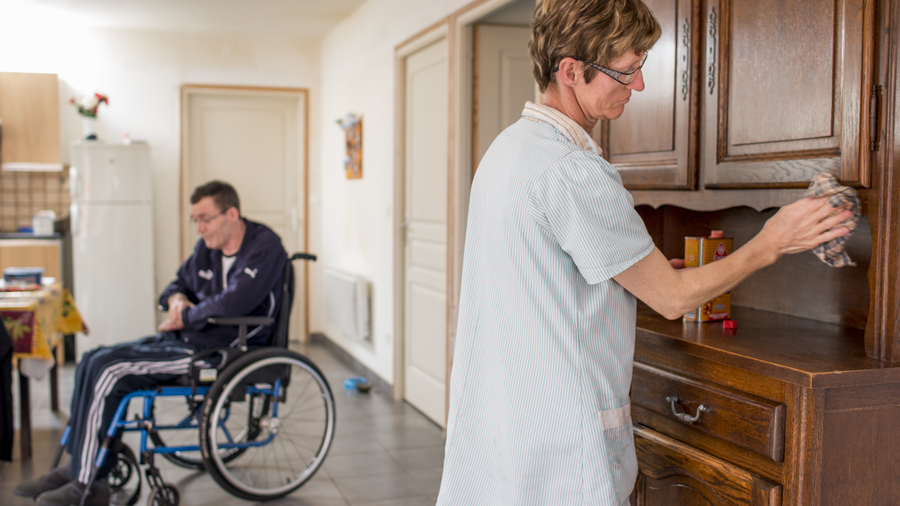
{"type": "Point", "coordinates": [802, 226]}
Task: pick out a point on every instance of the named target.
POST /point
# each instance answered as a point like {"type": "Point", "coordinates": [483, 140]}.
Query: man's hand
{"type": "Point", "coordinates": [177, 304]}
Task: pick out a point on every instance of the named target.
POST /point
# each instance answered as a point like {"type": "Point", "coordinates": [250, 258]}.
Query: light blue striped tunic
{"type": "Point", "coordinates": [545, 339]}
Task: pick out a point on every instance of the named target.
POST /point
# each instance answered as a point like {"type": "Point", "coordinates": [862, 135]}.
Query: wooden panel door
{"type": "Point", "coordinates": [253, 138]}
{"type": "Point", "coordinates": [675, 474]}
{"type": "Point", "coordinates": [653, 144]}
{"type": "Point", "coordinates": [786, 92]}
{"type": "Point", "coordinates": [503, 82]}
{"type": "Point", "coordinates": [425, 253]}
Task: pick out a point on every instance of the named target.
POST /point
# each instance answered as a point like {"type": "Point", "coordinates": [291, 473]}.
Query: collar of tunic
{"type": "Point", "coordinates": [566, 125]}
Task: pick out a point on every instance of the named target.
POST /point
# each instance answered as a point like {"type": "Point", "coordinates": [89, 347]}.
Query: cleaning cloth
{"type": "Point", "coordinates": [840, 197]}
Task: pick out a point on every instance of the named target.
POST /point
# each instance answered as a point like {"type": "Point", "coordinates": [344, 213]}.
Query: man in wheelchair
{"type": "Point", "coordinates": [236, 270]}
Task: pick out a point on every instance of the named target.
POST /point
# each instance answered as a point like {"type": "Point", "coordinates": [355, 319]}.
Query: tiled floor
{"type": "Point", "coordinates": [385, 453]}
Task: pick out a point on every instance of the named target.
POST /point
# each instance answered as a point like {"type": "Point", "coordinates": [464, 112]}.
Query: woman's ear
{"type": "Point", "coordinates": [569, 70]}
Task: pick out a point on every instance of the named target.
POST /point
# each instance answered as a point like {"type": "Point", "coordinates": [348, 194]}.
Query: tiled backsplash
{"type": "Point", "coordinates": [22, 194]}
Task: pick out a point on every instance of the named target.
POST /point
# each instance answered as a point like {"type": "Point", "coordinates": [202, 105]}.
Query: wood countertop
{"type": "Point", "coordinates": [796, 350]}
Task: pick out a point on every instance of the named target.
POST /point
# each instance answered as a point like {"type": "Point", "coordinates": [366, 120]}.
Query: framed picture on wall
{"type": "Point", "coordinates": [352, 126]}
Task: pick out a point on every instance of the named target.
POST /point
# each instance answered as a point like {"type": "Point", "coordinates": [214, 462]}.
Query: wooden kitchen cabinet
{"type": "Point", "coordinates": [804, 398]}
{"type": "Point", "coordinates": [29, 110]}
{"type": "Point", "coordinates": [798, 414]}
{"type": "Point", "coordinates": [675, 473]}
{"type": "Point", "coordinates": [654, 143]}
{"type": "Point", "coordinates": [46, 253]}
{"type": "Point", "coordinates": [742, 94]}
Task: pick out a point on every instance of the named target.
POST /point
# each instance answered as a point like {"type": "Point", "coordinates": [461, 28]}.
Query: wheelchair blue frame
{"type": "Point", "coordinates": [145, 424]}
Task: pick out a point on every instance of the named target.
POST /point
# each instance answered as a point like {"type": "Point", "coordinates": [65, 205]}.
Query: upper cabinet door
{"type": "Point", "coordinates": [29, 109]}
{"type": "Point", "coordinates": [786, 92]}
{"type": "Point", "coordinates": [653, 144]}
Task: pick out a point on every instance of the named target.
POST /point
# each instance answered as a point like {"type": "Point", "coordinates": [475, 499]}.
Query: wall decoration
{"type": "Point", "coordinates": [352, 126]}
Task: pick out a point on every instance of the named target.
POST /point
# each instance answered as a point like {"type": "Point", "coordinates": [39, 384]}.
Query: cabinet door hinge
{"type": "Point", "coordinates": [873, 117]}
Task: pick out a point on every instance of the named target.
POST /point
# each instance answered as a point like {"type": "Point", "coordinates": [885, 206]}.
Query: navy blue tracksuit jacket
{"type": "Point", "coordinates": [253, 289]}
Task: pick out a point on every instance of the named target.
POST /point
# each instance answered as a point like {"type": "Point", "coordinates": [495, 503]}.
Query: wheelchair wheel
{"type": "Point", "coordinates": [276, 405]}
{"type": "Point", "coordinates": [167, 495]}
{"type": "Point", "coordinates": [121, 473]}
{"type": "Point", "coordinates": [125, 477]}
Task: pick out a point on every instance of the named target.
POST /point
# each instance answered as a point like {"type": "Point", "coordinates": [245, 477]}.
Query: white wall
{"type": "Point", "coordinates": [357, 215]}
{"type": "Point", "coordinates": [142, 72]}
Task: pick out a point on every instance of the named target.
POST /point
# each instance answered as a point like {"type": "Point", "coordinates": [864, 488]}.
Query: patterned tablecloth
{"type": "Point", "coordinates": [37, 320]}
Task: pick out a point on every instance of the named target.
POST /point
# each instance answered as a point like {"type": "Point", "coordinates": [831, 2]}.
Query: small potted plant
{"type": "Point", "coordinates": [87, 108]}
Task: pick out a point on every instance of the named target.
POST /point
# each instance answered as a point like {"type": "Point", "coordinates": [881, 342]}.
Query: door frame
{"type": "Point", "coordinates": [302, 94]}
{"type": "Point", "coordinates": [458, 29]}
{"type": "Point", "coordinates": [431, 34]}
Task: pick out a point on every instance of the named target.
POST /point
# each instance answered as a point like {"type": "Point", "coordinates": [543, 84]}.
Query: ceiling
{"type": "Point", "coordinates": [305, 18]}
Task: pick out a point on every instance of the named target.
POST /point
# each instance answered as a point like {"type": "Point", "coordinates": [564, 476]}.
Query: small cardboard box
{"type": "Point", "coordinates": [699, 251]}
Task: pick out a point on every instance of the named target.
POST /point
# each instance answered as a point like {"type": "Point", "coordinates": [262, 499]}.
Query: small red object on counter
{"type": "Point", "coordinates": [729, 325]}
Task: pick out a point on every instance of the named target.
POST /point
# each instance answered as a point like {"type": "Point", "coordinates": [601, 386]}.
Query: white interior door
{"type": "Point", "coordinates": [503, 82]}
{"type": "Point", "coordinates": [425, 273]}
{"type": "Point", "coordinates": [254, 140]}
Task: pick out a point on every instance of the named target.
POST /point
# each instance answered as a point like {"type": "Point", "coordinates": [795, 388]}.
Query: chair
{"type": "Point", "coordinates": [239, 406]}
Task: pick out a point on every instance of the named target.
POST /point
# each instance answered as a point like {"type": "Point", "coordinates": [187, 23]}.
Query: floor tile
{"type": "Point", "coordinates": [429, 479]}
{"type": "Point", "coordinates": [361, 464]}
{"type": "Point", "coordinates": [379, 487]}
{"type": "Point", "coordinates": [419, 500]}
{"type": "Point", "coordinates": [419, 458]}
{"type": "Point", "coordinates": [348, 444]}
{"type": "Point", "coordinates": [395, 439]}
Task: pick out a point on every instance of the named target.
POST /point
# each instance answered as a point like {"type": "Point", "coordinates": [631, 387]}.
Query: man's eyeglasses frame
{"type": "Point", "coordinates": [205, 221]}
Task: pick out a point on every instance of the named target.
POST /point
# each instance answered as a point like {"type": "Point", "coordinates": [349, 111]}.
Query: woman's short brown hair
{"type": "Point", "coordinates": [597, 31]}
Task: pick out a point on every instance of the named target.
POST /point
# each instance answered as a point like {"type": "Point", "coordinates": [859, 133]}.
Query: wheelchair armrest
{"type": "Point", "coordinates": [240, 320]}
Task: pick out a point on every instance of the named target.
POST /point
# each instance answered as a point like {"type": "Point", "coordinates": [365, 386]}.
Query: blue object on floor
{"type": "Point", "coordinates": [350, 383]}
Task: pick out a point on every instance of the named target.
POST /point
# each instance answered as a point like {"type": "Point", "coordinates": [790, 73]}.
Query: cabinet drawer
{"type": "Point", "coordinates": [675, 474]}
{"type": "Point", "coordinates": [743, 419]}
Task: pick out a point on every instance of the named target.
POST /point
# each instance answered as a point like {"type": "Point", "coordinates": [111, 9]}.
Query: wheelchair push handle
{"type": "Point", "coordinates": [303, 256]}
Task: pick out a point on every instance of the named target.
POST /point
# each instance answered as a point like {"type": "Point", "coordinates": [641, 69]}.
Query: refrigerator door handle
{"type": "Point", "coordinates": [74, 183]}
{"type": "Point", "coordinates": [74, 219]}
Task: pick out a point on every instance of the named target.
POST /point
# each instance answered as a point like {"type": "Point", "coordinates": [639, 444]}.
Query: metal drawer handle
{"type": "Point", "coordinates": [684, 417]}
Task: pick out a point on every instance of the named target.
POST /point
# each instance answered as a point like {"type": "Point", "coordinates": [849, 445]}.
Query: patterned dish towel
{"type": "Point", "coordinates": [840, 197]}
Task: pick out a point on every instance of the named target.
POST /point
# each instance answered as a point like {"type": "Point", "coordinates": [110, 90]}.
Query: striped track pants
{"type": "Point", "coordinates": [107, 374]}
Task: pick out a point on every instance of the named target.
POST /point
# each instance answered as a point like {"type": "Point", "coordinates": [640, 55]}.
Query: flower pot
{"type": "Point", "coordinates": [89, 126]}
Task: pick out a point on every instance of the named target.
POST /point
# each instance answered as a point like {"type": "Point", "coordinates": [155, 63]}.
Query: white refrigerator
{"type": "Point", "coordinates": [112, 242]}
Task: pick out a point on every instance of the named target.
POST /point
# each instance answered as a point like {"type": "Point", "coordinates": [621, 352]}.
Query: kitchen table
{"type": "Point", "coordinates": [36, 321]}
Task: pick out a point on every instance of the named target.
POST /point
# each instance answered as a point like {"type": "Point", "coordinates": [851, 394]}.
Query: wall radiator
{"type": "Point", "coordinates": [347, 304]}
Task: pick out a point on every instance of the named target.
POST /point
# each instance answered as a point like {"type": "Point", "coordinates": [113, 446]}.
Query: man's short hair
{"type": "Point", "coordinates": [223, 195]}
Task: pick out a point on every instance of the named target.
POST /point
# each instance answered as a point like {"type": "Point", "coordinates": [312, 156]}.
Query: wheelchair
{"type": "Point", "coordinates": [265, 419]}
